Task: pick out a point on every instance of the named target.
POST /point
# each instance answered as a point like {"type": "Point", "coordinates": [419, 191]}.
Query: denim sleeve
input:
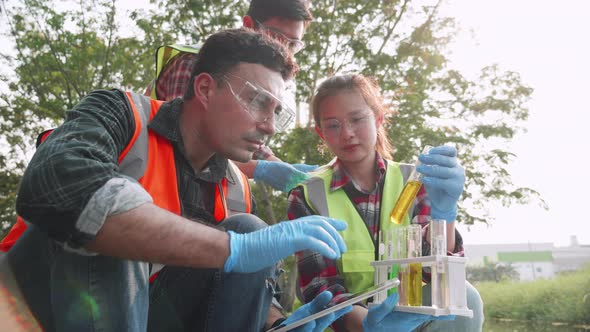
{"type": "Point", "coordinates": [76, 160]}
{"type": "Point", "coordinates": [117, 196]}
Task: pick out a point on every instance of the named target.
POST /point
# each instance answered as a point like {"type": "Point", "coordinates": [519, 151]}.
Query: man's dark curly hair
{"type": "Point", "coordinates": [263, 10]}
{"type": "Point", "coordinates": [224, 50]}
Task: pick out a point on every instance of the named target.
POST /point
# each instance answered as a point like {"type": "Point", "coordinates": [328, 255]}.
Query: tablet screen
{"type": "Point", "coordinates": [334, 306]}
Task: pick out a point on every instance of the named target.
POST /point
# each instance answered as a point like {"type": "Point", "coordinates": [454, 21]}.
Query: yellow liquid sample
{"type": "Point", "coordinates": [404, 201]}
{"type": "Point", "coordinates": [404, 285]}
{"type": "Point", "coordinates": [415, 290]}
{"type": "Point", "coordinates": [440, 292]}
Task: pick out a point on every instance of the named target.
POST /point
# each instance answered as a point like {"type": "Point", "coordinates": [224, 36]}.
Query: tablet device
{"type": "Point", "coordinates": [332, 306]}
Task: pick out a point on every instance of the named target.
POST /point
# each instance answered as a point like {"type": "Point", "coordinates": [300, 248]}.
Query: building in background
{"type": "Point", "coordinates": [531, 260]}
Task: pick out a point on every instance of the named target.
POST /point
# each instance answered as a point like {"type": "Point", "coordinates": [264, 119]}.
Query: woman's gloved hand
{"type": "Point", "coordinates": [254, 251]}
{"type": "Point", "coordinates": [383, 318]}
{"type": "Point", "coordinates": [444, 180]}
{"type": "Point", "coordinates": [280, 175]}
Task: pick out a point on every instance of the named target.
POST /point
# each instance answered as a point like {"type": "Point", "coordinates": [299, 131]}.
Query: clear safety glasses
{"type": "Point", "coordinates": [294, 45]}
{"type": "Point", "coordinates": [333, 127]}
{"type": "Point", "coordinates": [262, 105]}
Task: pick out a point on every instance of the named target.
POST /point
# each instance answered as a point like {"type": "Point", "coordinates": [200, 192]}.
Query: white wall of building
{"type": "Point", "coordinates": [572, 257]}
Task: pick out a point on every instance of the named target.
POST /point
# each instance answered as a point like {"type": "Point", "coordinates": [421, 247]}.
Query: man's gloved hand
{"type": "Point", "coordinates": [318, 304]}
{"type": "Point", "coordinates": [305, 168]}
{"type": "Point", "coordinates": [254, 251]}
{"type": "Point", "coordinates": [280, 175]}
{"type": "Point", "coordinates": [383, 318]}
{"type": "Point", "coordinates": [444, 179]}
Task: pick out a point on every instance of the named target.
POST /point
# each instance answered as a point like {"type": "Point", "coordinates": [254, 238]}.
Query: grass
{"type": "Point", "coordinates": [565, 298]}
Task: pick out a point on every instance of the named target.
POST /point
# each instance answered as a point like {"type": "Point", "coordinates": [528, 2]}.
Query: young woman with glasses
{"type": "Point", "coordinates": [361, 185]}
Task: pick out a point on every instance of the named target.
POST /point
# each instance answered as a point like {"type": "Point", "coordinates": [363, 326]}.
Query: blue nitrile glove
{"type": "Point", "coordinates": [318, 304]}
{"type": "Point", "coordinates": [444, 179]}
{"type": "Point", "coordinates": [279, 175]}
{"type": "Point", "coordinates": [254, 251]}
{"type": "Point", "coordinates": [383, 318]}
{"type": "Point", "coordinates": [305, 168]}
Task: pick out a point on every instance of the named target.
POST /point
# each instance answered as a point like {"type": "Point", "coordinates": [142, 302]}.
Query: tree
{"type": "Point", "coordinates": [63, 50]}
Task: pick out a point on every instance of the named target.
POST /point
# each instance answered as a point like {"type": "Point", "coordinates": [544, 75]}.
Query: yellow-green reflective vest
{"type": "Point", "coordinates": [354, 263]}
{"type": "Point", "coordinates": [163, 56]}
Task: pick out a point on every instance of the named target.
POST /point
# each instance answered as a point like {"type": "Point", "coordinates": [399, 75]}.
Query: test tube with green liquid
{"type": "Point", "coordinates": [408, 193]}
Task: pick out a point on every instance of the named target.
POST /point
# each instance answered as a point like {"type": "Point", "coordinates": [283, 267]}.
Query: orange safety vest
{"type": "Point", "coordinates": [149, 158]}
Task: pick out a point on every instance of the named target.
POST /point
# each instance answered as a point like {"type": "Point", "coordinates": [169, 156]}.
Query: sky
{"type": "Point", "coordinates": [547, 43]}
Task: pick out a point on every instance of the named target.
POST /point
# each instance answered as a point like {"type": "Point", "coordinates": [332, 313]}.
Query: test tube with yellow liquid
{"type": "Point", "coordinates": [399, 248]}
{"type": "Point", "coordinates": [408, 193]}
{"type": "Point", "coordinates": [415, 250]}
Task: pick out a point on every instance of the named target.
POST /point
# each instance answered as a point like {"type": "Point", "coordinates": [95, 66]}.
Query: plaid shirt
{"type": "Point", "coordinates": [79, 160]}
{"type": "Point", "coordinates": [173, 81]}
{"type": "Point", "coordinates": [318, 273]}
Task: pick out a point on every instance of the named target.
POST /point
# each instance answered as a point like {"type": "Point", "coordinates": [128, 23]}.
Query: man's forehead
{"type": "Point", "coordinates": [263, 77]}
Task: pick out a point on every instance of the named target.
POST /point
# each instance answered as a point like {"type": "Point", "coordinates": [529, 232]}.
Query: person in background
{"type": "Point", "coordinates": [130, 190]}
{"type": "Point", "coordinates": [361, 186]}
{"type": "Point", "coordinates": [284, 20]}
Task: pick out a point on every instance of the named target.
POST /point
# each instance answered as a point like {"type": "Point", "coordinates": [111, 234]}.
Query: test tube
{"type": "Point", "coordinates": [401, 270]}
{"type": "Point", "coordinates": [438, 247]}
{"type": "Point", "coordinates": [381, 273]}
{"type": "Point", "coordinates": [389, 253]}
{"type": "Point", "coordinates": [414, 251]}
{"type": "Point", "coordinates": [408, 193]}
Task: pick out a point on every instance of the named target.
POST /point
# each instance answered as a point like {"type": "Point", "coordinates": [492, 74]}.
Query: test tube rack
{"type": "Point", "coordinates": [454, 278]}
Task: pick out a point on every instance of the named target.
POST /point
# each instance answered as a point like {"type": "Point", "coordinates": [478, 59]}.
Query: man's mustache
{"type": "Point", "coordinates": [257, 136]}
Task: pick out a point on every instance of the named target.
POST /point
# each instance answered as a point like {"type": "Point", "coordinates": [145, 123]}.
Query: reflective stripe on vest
{"type": "Point", "coordinates": [236, 194]}
{"type": "Point", "coordinates": [354, 263]}
{"type": "Point", "coordinates": [163, 55]}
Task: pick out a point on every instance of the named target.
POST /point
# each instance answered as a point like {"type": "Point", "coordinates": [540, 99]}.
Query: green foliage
{"type": "Point", "coordinates": [271, 206]}
{"type": "Point", "coordinates": [8, 184]}
{"type": "Point", "coordinates": [187, 22]}
{"type": "Point", "coordinates": [301, 145]}
{"type": "Point", "coordinates": [64, 54]}
{"type": "Point", "coordinates": [565, 298]}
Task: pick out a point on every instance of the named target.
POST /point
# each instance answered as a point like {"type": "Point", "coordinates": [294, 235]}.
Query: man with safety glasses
{"type": "Point", "coordinates": [284, 20]}
{"type": "Point", "coordinates": [137, 222]}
